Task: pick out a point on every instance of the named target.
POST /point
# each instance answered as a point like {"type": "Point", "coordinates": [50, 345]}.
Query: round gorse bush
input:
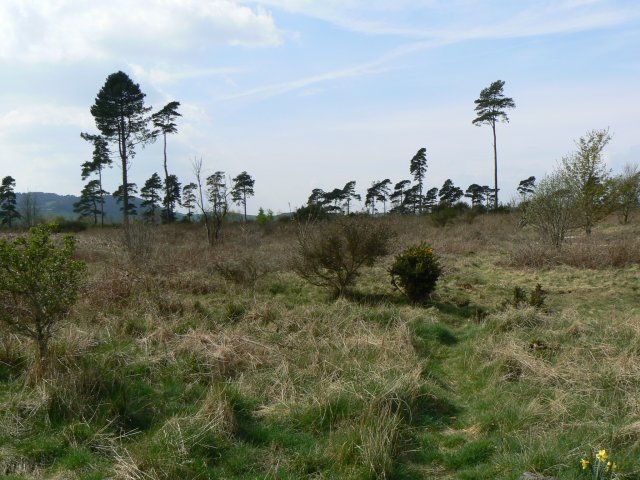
{"type": "Point", "coordinates": [416, 271]}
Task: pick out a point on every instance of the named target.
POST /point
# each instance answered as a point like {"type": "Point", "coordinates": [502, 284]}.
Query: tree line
{"type": "Point", "coordinates": [125, 123]}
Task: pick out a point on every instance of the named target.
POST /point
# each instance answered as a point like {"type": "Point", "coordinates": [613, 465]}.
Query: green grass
{"type": "Point", "coordinates": [188, 377]}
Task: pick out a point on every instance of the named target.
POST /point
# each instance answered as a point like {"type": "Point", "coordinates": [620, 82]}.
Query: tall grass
{"type": "Point", "coordinates": [222, 363]}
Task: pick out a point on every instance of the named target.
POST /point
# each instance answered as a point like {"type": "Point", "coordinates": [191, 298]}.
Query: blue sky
{"type": "Point", "coordinates": [315, 93]}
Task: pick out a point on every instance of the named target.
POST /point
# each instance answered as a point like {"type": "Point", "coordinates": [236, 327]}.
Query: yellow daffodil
{"type": "Point", "coordinates": [585, 463]}
{"type": "Point", "coordinates": [608, 465]}
{"type": "Point", "coordinates": [602, 455]}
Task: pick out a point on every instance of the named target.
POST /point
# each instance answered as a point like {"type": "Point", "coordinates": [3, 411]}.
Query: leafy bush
{"type": "Point", "coordinates": [415, 272]}
{"type": "Point", "coordinates": [331, 255]}
{"type": "Point", "coordinates": [38, 285]}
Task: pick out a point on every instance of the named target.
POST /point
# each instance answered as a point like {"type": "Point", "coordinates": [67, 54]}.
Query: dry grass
{"type": "Point", "coordinates": [178, 365]}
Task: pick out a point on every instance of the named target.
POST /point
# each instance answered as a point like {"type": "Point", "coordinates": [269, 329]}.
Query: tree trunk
{"type": "Point", "coordinates": [495, 168]}
{"type": "Point", "coordinates": [167, 212]}
{"type": "Point", "coordinates": [125, 184]}
{"type": "Point", "coordinates": [101, 198]}
{"type": "Point", "coordinates": [244, 202]}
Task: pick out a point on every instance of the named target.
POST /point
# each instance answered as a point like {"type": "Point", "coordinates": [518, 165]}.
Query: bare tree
{"type": "Point", "coordinates": [201, 201]}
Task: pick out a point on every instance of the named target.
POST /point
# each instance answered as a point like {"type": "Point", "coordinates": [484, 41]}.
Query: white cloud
{"type": "Point", "coordinates": [45, 115]}
{"type": "Point", "coordinates": [165, 76]}
{"type": "Point", "coordinates": [275, 89]}
{"type": "Point", "coordinates": [71, 30]}
{"type": "Point", "coordinates": [484, 19]}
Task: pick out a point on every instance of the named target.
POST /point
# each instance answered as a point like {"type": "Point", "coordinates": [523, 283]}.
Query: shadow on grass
{"type": "Point", "coordinates": [458, 312]}
{"type": "Point", "coordinates": [374, 299]}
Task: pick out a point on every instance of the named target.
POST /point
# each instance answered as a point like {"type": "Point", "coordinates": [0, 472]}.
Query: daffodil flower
{"type": "Point", "coordinates": [602, 455]}
{"type": "Point", "coordinates": [585, 463]}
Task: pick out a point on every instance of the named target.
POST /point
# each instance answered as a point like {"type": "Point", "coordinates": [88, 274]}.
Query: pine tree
{"type": "Point", "coordinates": [242, 188]}
{"type": "Point", "coordinates": [8, 209]}
{"type": "Point", "coordinates": [491, 108]}
{"type": "Point", "coordinates": [90, 203]}
{"type": "Point", "coordinates": [121, 117]}
{"type": "Point", "coordinates": [151, 197]}
{"type": "Point", "coordinates": [172, 198]}
{"type": "Point", "coordinates": [189, 198]}
{"type": "Point", "coordinates": [98, 163]}
{"type": "Point", "coordinates": [165, 123]}
{"type": "Point", "coordinates": [418, 169]}
{"type": "Point", "coordinates": [120, 195]}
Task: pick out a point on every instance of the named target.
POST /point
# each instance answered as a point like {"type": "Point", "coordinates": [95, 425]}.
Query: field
{"type": "Point", "coordinates": [184, 361]}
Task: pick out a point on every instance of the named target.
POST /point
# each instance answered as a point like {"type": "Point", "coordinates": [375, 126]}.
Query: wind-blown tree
{"type": "Point", "coordinates": [8, 209]}
{"type": "Point", "coordinates": [189, 198]}
{"type": "Point", "coordinates": [120, 195]}
{"type": "Point", "coordinates": [90, 201]}
{"type": "Point", "coordinates": [121, 118]}
{"type": "Point", "coordinates": [371, 197]}
{"type": "Point", "coordinates": [489, 196]}
{"type": "Point", "coordinates": [99, 161]}
{"type": "Point", "coordinates": [383, 192]}
{"type": "Point", "coordinates": [334, 200]}
{"type": "Point", "coordinates": [242, 188]}
{"type": "Point", "coordinates": [151, 197]}
{"type": "Point", "coordinates": [586, 174]}
{"type": "Point", "coordinates": [165, 123]}
{"type": "Point", "coordinates": [476, 194]}
{"type": "Point", "coordinates": [397, 196]}
{"type": "Point", "coordinates": [527, 187]}
{"type": "Point", "coordinates": [449, 193]}
{"type": "Point", "coordinates": [431, 198]}
{"type": "Point", "coordinates": [171, 199]}
{"type": "Point", "coordinates": [491, 107]}
{"type": "Point", "coordinates": [218, 197]}
{"type": "Point", "coordinates": [411, 199]}
{"type": "Point", "coordinates": [349, 194]}
{"type": "Point", "coordinates": [418, 169]}
{"type": "Point", "coordinates": [317, 197]}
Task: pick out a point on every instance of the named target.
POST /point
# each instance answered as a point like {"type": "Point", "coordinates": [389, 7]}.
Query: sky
{"type": "Point", "coordinates": [307, 94]}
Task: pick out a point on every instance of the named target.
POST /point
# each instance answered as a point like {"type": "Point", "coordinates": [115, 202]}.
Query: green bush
{"type": "Point", "coordinates": [38, 285]}
{"type": "Point", "coordinates": [331, 254]}
{"type": "Point", "coordinates": [416, 271]}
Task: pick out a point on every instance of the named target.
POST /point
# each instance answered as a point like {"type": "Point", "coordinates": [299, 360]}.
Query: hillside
{"type": "Point", "coordinates": [51, 205]}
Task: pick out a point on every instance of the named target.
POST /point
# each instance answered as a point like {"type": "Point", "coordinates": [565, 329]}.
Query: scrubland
{"type": "Point", "coordinates": [185, 361]}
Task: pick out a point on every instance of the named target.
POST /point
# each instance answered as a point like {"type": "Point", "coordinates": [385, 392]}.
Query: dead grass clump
{"type": "Point", "coordinates": [512, 318]}
{"type": "Point", "coordinates": [111, 287]}
{"type": "Point", "coordinates": [379, 434]}
{"type": "Point", "coordinates": [13, 465]}
{"type": "Point", "coordinates": [13, 354]}
{"type": "Point", "coordinates": [516, 361]}
{"type": "Point", "coordinates": [222, 355]}
{"type": "Point", "coordinates": [596, 251]}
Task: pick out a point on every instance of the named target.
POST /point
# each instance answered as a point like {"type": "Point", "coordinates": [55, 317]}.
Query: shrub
{"type": "Point", "coordinates": [519, 297]}
{"type": "Point", "coordinates": [331, 255]}
{"type": "Point", "coordinates": [415, 272]}
{"type": "Point", "coordinates": [552, 209]}
{"type": "Point", "coordinates": [62, 225]}
{"type": "Point", "coordinates": [38, 285]}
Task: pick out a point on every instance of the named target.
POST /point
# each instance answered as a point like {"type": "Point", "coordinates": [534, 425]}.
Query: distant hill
{"type": "Point", "coordinates": [51, 205]}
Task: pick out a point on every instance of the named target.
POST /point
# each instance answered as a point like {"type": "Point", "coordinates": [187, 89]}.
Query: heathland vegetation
{"type": "Point", "coordinates": [183, 361]}
{"type": "Point", "coordinates": [421, 338]}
